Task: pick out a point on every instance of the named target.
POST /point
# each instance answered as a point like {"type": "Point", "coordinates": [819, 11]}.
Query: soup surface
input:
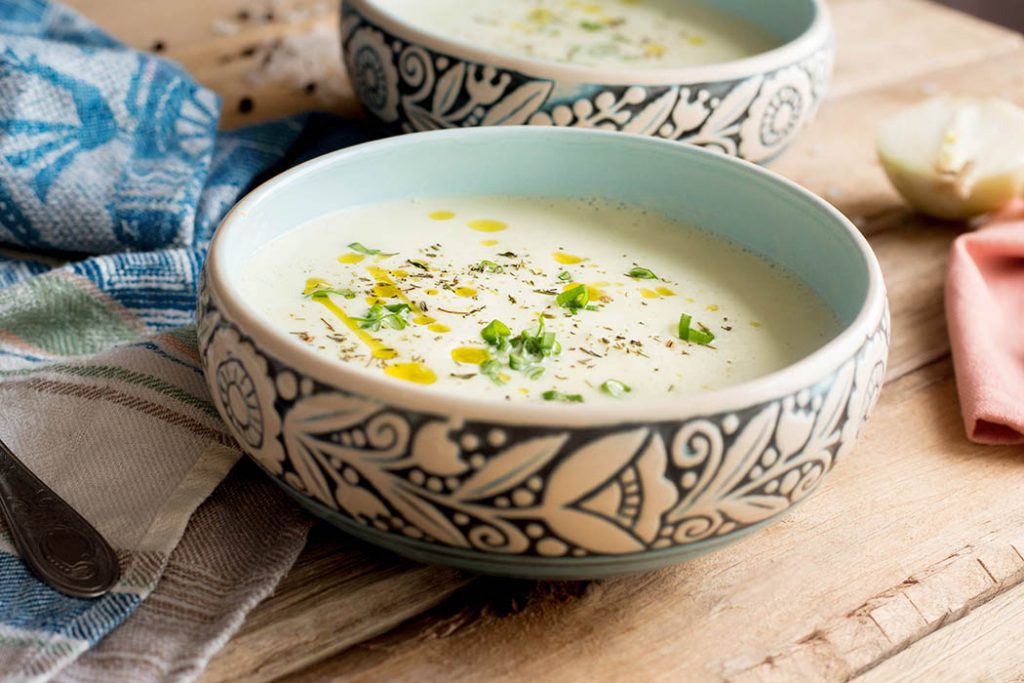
{"type": "Point", "coordinates": [525, 298]}
{"type": "Point", "coordinates": [600, 33]}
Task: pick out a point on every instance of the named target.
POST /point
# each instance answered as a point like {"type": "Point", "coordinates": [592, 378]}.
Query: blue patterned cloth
{"type": "Point", "coordinates": [106, 150]}
{"type": "Point", "coordinates": [114, 156]}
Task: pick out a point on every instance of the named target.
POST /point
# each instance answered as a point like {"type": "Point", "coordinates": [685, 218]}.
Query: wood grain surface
{"type": "Point", "coordinates": [906, 565]}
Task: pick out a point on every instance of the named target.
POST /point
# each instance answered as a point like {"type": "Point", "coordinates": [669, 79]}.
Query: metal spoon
{"type": "Point", "coordinates": [57, 544]}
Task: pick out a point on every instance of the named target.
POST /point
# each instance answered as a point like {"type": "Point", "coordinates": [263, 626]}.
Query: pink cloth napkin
{"type": "Point", "coordinates": [985, 312]}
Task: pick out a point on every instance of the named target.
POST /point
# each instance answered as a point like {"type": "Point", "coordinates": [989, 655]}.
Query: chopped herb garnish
{"type": "Point", "coordinates": [392, 316]}
{"type": "Point", "coordinates": [591, 25]}
{"type": "Point", "coordinates": [488, 267]}
{"type": "Point", "coordinates": [615, 388]}
{"type": "Point", "coordinates": [496, 333]}
{"type": "Point", "coordinates": [574, 298]}
{"type": "Point", "coordinates": [553, 395]}
{"type": "Point", "coordinates": [638, 273]}
{"type": "Point", "coordinates": [417, 264]}
{"type": "Point", "coordinates": [525, 351]}
{"type": "Point", "coordinates": [492, 368]}
{"type": "Point", "coordinates": [565, 276]}
{"type": "Point", "coordinates": [539, 344]}
{"type": "Point", "coordinates": [366, 251]}
{"type": "Point", "coordinates": [322, 289]}
{"type": "Point", "coordinates": [508, 254]}
{"type": "Point", "coordinates": [702, 336]}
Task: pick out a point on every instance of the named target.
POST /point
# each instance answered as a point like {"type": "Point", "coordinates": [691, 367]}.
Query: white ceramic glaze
{"type": "Point", "coordinates": [410, 79]}
{"type": "Point", "coordinates": [538, 489]}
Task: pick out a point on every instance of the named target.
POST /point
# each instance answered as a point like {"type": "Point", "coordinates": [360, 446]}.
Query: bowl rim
{"type": "Point", "coordinates": [813, 38]}
{"type": "Point", "coordinates": [356, 380]}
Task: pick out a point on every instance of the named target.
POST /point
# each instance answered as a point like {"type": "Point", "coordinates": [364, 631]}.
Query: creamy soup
{"type": "Point", "coordinates": [534, 299]}
{"type": "Point", "coordinates": [601, 33]}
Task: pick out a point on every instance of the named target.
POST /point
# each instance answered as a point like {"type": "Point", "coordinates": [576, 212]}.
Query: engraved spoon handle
{"type": "Point", "coordinates": [56, 542]}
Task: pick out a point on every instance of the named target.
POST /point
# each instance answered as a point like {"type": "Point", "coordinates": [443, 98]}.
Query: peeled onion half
{"type": "Point", "coordinates": [955, 157]}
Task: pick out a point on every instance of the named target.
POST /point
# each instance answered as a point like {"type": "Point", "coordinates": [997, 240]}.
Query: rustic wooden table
{"type": "Point", "coordinates": [906, 564]}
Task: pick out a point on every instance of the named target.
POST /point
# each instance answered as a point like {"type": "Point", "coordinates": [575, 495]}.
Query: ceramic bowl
{"type": "Point", "coordinates": [535, 489]}
{"type": "Point", "coordinates": [411, 80]}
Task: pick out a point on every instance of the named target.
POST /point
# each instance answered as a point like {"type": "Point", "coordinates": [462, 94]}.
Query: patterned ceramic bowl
{"type": "Point", "coordinates": [411, 80]}
{"type": "Point", "coordinates": [534, 489]}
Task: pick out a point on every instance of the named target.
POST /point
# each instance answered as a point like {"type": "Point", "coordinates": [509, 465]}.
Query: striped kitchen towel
{"type": "Point", "coordinates": [115, 155]}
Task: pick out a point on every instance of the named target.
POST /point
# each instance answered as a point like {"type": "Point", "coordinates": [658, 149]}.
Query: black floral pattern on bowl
{"type": "Point", "coordinates": [492, 488]}
{"type": "Point", "coordinates": [408, 87]}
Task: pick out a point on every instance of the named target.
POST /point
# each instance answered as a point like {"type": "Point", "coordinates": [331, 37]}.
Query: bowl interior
{"type": "Point", "coordinates": [788, 20]}
{"type": "Point", "coordinates": [729, 198]}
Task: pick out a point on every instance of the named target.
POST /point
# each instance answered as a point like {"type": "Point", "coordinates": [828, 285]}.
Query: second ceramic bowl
{"type": "Point", "coordinates": [411, 80]}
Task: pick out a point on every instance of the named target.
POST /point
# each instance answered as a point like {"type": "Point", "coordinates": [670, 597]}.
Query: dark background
{"type": "Point", "coordinates": [1007, 12]}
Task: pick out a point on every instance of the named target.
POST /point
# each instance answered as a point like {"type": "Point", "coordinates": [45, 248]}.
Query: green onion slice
{"type": "Point", "coordinates": [639, 273]}
{"type": "Point", "coordinates": [366, 251]}
{"type": "Point", "coordinates": [321, 290]}
{"type": "Point", "coordinates": [495, 333]}
{"type": "Point", "coordinates": [615, 388]}
{"type": "Point", "coordinates": [702, 336]}
{"type": "Point", "coordinates": [574, 298]}
{"type": "Point", "coordinates": [553, 395]}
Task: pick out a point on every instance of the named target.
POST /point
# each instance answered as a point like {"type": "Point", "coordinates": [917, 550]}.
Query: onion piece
{"type": "Point", "coordinates": [955, 157]}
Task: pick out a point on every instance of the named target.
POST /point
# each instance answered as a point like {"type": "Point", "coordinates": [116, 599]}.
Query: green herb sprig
{"type": "Point", "coordinates": [554, 395]}
{"type": "Point", "coordinates": [574, 298]}
{"type": "Point", "coordinates": [493, 369]}
{"type": "Point", "coordinates": [366, 251]}
{"type": "Point", "coordinates": [322, 290]}
{"type": "Point", "coordinates": [496, 333]}
{"type": "Point", "coordinates": [487, 266]}
{"type": "Point", "coordinates": [615, 388]}
{"type": "Point", "coordinates": [392, 316]}
{"type": "Point", "coordinates": [702, 336]}
{"type": "Point", "coordinates": [525, 352]}
{"type": "Point", "coordinates": [640, 273]}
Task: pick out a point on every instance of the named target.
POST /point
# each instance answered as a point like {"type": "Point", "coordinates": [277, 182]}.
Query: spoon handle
{"type": "Point", "coordinates": [55, 542]}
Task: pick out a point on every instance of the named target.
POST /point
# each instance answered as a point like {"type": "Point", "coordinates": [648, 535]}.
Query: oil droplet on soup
{"type": "Point", "coordinates": [417, 373]}
{"type": "Point", "coordinates": [566, 259]}
{"type": "Point", "coordinates": [487, 225]}
{"type": "Point", "coordinates": [442, 215]}
{"type": "Point", "coordinates": [473, 355]}
{"type": "Point", "coordinates": [488, 243]}
{"type": "Point", "coordinates": [385, 290]}
{"type": "Point", "coordinates": [465, 291]}
{"type": "Point", "coordinates": [351, 258]}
